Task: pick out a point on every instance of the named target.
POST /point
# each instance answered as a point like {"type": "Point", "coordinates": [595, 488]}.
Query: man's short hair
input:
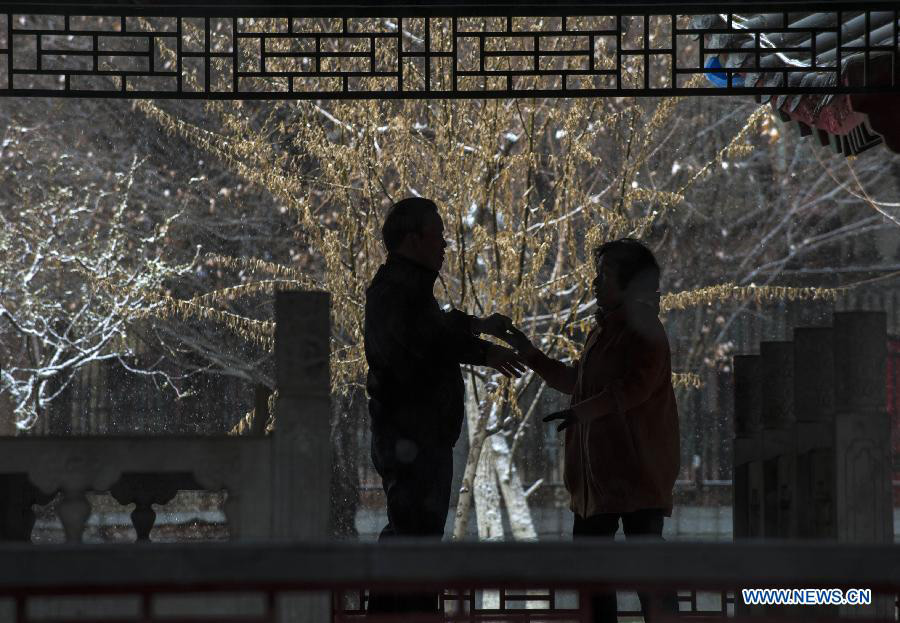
{"type": "Point", "coordinates": [636, 269]}
{"type": "Point", "coordinates": [407, 216]}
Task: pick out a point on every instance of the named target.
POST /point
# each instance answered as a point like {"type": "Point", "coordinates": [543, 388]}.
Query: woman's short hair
{"type": "Point", "coordinates": [636, 269]}
{"type": "Point", "coordinates": [407, 216]}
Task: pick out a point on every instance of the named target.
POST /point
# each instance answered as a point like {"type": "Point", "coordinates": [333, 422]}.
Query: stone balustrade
{"type": "Point", "coordinates": [812, 455]}
{"type": "Point", "coordinates": [278, 486]}
{"type": "Point", "coordinates": [145, 471]}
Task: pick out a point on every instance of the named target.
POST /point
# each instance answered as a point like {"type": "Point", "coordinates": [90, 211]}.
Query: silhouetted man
{"type": "Point", "coordinates": [415, 386]}
{"type": "Point", "coordinates": [622, 450]}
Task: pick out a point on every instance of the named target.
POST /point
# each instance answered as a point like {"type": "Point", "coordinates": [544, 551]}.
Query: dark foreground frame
{"type": "Point", "coordinates": [273, 571]}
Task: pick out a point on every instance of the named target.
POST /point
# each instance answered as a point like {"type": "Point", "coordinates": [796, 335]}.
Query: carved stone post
{"type": "Point", "coordinates": [862, 438]}
{"type": "Point", "coordinates": [779, 439]}
{"type": "Point", "coordinates": [301, 451]}
{"type": "Point", "coordinates": [814, 409]}
{"type": "Point", "coordinates": [747, 509]}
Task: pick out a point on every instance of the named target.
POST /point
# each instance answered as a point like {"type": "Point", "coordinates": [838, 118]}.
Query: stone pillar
{"type": "Point", "coordinates": [747, 495]}
{"type": "Point", "coordinates": [301, 442]}
{"type": "Point", "coordinates": [862, 439]}
{"type": "Point", "coordinates": [747, 492]}
{"type": "Point", "coordinates": [779, 447]}
{"type": "Point", "coordinates": [814, 409]}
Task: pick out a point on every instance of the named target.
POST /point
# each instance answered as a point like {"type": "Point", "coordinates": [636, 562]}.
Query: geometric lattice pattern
{"type": "Point", "coordinates": [289, 51]}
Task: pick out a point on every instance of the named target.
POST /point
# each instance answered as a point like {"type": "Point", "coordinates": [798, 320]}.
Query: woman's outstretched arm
{"type": "Point", "coordinates": [558, 375]}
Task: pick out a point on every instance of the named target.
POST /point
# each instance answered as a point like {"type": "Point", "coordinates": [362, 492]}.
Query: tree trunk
{"type": "Point", "coordinates": [476, 424]}
{"type": "Point", "coordinates": [513, 492]}
{"type": "Point", "coordinates": [480, 464]}
{"type": "Point", "coordinates": [516, 503]}
{"type": "Point", "coordinates": [488, 511]}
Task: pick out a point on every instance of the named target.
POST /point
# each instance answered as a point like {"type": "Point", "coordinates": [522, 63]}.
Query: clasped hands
{"type": "Point", "coordinates": [510, 363]}
{"type": "Point", "coordinates": [504, 360]}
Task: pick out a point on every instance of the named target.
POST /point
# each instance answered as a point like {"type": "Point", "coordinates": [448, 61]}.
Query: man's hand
{"type": "Point", "coordinates": [566, 415]}
{"type": "Point", "coordinates": [504, 360]}
{"type": "Point", "coordinates": [495, 324]}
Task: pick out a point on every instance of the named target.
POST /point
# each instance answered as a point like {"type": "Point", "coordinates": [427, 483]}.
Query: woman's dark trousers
{"type": "Point", "coordinates": [642, 524]}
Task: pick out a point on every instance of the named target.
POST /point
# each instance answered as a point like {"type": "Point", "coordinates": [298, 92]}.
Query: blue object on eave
{"type": "Point", "coordinates": [720, 78]}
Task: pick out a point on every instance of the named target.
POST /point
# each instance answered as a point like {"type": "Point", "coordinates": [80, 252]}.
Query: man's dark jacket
{"type": "Point", "coordinates": [414, 350]}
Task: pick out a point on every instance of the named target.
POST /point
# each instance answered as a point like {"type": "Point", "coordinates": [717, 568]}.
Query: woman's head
{"type": "Point", "coordinates": [626, 270]}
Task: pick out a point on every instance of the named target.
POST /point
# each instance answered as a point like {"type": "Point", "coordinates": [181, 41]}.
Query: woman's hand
{"type": "Point", "coordinates": [567, 416]}
{"type": "Point", "coordinates": [519, 341]}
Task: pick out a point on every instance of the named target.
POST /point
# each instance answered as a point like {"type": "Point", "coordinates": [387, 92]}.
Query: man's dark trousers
{"type": "Point", "coordinates": [641, 524]}
{"type": "Point", "coordinates": [416, 481]}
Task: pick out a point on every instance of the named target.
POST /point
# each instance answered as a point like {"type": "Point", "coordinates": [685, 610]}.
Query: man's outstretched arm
{"type": "Point", "coordinates": [461, 341]}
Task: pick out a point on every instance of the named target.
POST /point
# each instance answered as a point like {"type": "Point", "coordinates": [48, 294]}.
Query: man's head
{"type": "Point", "coordinates": [626, 270]}
{"type": "Point", "coordinates": [414, 229]}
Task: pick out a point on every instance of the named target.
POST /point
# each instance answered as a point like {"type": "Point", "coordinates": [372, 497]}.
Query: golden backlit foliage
{"type": "Point", "coordinates": [526, 188]}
